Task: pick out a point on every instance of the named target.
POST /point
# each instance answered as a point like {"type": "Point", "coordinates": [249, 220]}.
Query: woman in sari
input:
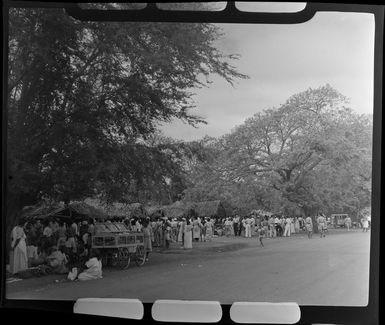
{"type": "Point", "coordinates": [196, 229]}
{"type": "Point", "coordinates": [209, 229]}
{"type": "Point", "coordinates": [19, 257]}
{"type": "Point", "coordinates": [187, 242]}
{"type": "Point", "coordinates": [181, 224]}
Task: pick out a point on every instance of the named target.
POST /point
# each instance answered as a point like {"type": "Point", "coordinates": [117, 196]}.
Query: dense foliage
{"type": "Point", "coordinates": [312, 153]}
{"type": "Point", "coordinates": [85, 98]}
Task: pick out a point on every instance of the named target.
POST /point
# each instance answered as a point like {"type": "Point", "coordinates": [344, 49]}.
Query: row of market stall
{"type": "Point", "coordinates": [94, 209]}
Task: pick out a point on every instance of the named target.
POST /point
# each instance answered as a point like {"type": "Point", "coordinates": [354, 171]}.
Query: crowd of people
{"type": "Point", "coordinates": [51, 246]}
{"type": "Point", "coordinates": [60, 246]}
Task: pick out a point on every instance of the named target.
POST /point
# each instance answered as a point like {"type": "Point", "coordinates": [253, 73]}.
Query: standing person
{"type": "Point", "coordinates": [209, 229]}
{"type": "Point", "coordinates": [181, 230]}
{"type": "Point", "coordinates": [247, 228]}
{"type": "Point", "coordinates": [47, 238]}
{"type": "Point", "coordinates": [187, 240]}
{"type": "Point", "coordinates": [309, 226]}
{"type": "Point", "coordinates": [296, 225]}
{"type": "Point", "coordinates": [301, 223]}
{"type": "Point", "coordinates": [236, 225]}
{"type": "Point", "coordinates": [83, 228]}
{"type": "Point", "coordinates": [138, 226]}
{"type": "Point", "coordinates": [262, 234]}
{"type": "Point", "coordinates": [203, 229]}
{"type": "Point", "coordinates": [287, 227]}
{"type": "Point", "coordinates": [39, 233]}
{"type": "Point", "coordinates": [174, 230]}
{"type": "Point", "coordinates": [147, 235]}
{"type": "Point", "coordinates": [167, 233]}
{"type": "Point", "coordinates": [71, 244]}
{"type": "Point", "coordinates": [75, 226]}
{"type": "Point", "coordinates": [240, 227]}
{"type": "Point", "coordinates": [265, 225]}
{"type": "Point", "coordinates": [19, 257]}
{"type": "Point", "coordinates": [31, 242]}
{"type": "Point", "coordinates": [252, 225]}
{"type": "Point", "coordinates": [91, 227]}
{"type": "Point", "coordinates": [159, 233]}
{"type": "Point", "coordinates": [62, 234]}
{"type": "Point", "coordinates": [348, 222]}
{"type": "Point", "coordinates": [321, 222]}
{"type": "Point", "coordinates": [196, 229]}
{"type": "Point", "coordinates": [365, 223]}
{"type": "Point", "coordinates": [271, 232]}
{"type": "Point", "coordinates": [227, 227]}
{"type": "Point", "coordinates": [278, 226]}
{"type": "Point", "coordinates": [292, 226]}
{"type": "Point", "coordinates": [153, 230]}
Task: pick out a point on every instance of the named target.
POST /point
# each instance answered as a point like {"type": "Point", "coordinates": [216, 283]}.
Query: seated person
{"type": "Point", "coordinates": [35, 259]}
{"type": "Point", "coordinates": [94, 268]}
{"type": "Point", "coordinates": [57, 260]}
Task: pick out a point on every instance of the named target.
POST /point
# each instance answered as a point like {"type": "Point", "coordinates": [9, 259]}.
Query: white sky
{"type": "Point", "coordinates": [282, 60]}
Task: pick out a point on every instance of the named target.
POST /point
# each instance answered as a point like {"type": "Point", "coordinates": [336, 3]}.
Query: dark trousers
{"type": "Point", "coordinates": [279, 230]}
{"type": "Point", "coordinates": [235, 229]}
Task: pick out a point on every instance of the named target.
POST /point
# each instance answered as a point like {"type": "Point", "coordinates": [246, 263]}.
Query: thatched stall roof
{"type": "Point", "coordinates": [203, 209]}
{"type": "Point", "coordinates": [210, 209]}
{"type": "Point", "coordinates": [153, 210]}
{"type": "Point", "coordinates": [40, 210]}
{"type": "Point", "coordinates": [119, 210]}
{"type": "Point", "coordinates": [176, 210]}
{"type": "Point", "coordinates": [123, 210]}
{"type": "Point", "coordinates": [76, 210]}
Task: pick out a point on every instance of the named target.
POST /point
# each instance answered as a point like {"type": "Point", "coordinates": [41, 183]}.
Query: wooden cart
{"type": "Point", "coordinates": [118, 247]}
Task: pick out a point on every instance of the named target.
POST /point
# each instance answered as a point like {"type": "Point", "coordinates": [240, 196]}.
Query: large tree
{"type": "Point", "coordinates": [312, 152]}
{"type": "Point", "coordinates": [85, 97]}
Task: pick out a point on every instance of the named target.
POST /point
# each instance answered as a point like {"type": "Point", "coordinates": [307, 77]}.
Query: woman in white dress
{"type": "Point", "coordinates": [19, 257]}
{"type": "Point", "coordinates": [292, 226]}
{"type": "Point", "coordinates": [196, 229]}
{"type": "Point", "coordinates": [247, 228]}
{"type": "Point", "coordinates": [187, 242]}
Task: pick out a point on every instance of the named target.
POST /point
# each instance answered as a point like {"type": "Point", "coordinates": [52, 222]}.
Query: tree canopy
{"type": "Point", "coordinates": [85, 98]}
{"type": "Point", "coordinates": [312, 152]}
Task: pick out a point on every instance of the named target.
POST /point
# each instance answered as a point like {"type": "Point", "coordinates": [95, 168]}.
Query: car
{"type": "Point", "coordinates": [338, 220]}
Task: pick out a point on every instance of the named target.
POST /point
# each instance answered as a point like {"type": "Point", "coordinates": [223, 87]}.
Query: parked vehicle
{"type": "Point", "coordinates": [338, 220]}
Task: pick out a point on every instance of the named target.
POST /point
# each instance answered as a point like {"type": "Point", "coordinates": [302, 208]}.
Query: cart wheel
{"type": "Point", "coordinates": [114, 259]}
{"type": "Point", "coordinates": [140, 256]}
{"type": "Point", "coordinates": [123, 258]}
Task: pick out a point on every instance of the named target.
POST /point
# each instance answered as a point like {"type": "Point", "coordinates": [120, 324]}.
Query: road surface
{"type": "Point", "coordinates": [320, 271]}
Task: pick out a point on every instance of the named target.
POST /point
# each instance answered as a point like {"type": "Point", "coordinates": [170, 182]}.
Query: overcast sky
{"type": "Point", "coordinates": [282, 60]}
